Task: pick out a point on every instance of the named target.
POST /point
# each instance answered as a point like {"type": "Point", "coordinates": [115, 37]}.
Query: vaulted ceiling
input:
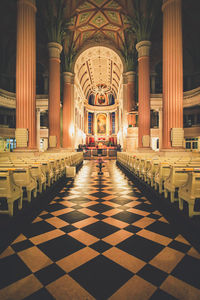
{"type": "Point", "coordinates": [99, 66]}
{"type": "Point", "coordinates": [100, 19]}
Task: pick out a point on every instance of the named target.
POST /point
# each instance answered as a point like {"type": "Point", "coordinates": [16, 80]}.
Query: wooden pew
{"type": "Point", "coordinates": [10, 191]}
{"type": "Point", "coordinates": [178, 176]}
{"type": "Point", "coordinates": [160, 176]}
{"type": "Point", "coordinates": [190, 191]}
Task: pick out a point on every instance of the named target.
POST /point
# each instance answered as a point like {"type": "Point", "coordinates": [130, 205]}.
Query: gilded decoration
{"type": "Point", "coordinates": [103, 22]}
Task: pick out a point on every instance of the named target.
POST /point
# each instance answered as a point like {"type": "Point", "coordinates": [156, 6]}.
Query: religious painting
{"type": "Point", "coordinates": [101, 124]}
{"type": "Point", "coordinates": [101, 99]}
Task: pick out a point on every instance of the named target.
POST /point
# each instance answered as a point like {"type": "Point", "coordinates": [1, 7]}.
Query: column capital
{"type": "Point", "coordinates": [166, 2]}
{"type": "Point", "coordinates": [68, 77]}
{"type": "Point", "coordinates": [54, 50]}
{"type": "Point", "coordinates": [143, 48]}
{"type": "Point", "coordinates": [130, 76]}
{"type": "Point", "coordinates": [30, 3]}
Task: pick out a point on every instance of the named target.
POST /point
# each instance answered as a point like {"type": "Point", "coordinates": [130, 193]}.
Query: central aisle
{"type": "Point", "coordinates": [100, 238]}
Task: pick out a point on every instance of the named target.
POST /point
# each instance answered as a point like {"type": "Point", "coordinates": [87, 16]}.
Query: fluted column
{"type": "Point", "coordinates": [143, 48]}
{"type": "Point", "coordinates": [54, 94]}
{"type": "Point", "coordinates": [26, 75]}
{"type": "Point", "coordinates": [130, 97]}
{"type": "Point", "coordinates": [173, 133]}
{"type": "Point", "coordinates": [117, 121]}
{"type": "Point", "coordinates": [124, 123]}
{"type": "Point", "coordinates": [67, 110]}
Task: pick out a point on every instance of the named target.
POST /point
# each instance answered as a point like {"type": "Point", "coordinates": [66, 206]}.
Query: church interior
{"type": "Point", "coordinates": [99, 149]}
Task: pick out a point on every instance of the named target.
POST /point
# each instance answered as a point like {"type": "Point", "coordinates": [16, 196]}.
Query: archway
{"type": "Point", "coordinates": [98, 75]}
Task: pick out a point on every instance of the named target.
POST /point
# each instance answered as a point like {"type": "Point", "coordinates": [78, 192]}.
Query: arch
{"type": "Point", "coordinates": [99, 66]}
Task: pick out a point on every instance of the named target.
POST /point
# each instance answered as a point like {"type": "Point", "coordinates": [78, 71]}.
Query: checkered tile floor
{"type": "Point", "coordinates": [100, 238]}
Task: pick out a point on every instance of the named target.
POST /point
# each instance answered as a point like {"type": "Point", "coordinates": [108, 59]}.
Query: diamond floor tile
{"type": "Point", "coordinates": [100, 238]}
{"type": "Point", "coordinates": [101, 277]}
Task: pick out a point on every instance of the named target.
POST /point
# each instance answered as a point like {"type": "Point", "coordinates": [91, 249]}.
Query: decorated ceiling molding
{"type": "Point", "coordinates": [99, 68]}
{"type": "Point", "coordinates": [99, 20]}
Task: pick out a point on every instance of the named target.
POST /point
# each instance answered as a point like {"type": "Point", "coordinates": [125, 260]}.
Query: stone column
{"type": "Point", "coordinates": [26, 75]}
{"type": "Point", "coordinates": [108, 120]}
{"type": "Point", "coordinates": [38, 128]}
{"type": "Point", "coordinates": [173, 134]}
{"type": "Point", "coordinates": [54, 94]}
{"type": "Point", "coordinates": [94, 123]}
{"type": "Point", "coordinates": [67, 110]}
{"type": "Point", "coordinates": [117, 121]}
{"type": "Point", "coordinates": [124, 120]}
{"type": "Point", "coordinates": [143, 48]}
{"type": "Point", "coordinates": [160, 126]}
{"type": "Point", "coordinates": [130, 97]}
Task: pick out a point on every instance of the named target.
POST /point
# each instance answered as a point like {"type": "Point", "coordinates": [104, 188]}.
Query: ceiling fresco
{"type": "Point", "coordinates": [100, 19]}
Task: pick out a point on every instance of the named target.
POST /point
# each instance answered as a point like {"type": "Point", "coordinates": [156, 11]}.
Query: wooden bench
{"type": "Point", "coordinates": [10, 191]}
{"type": "Point", "coordinates": [161, 174]}
{"type": "Point", "coordinates": [145, 168]}
{"type": "Point", "coordinates": [150, 176]}
{"type": "Point", "coordinates": [39, 175]}
{"type": "Point", "coordinates": [190, 191]}
{"type": "Point", "coordinates": [22, 177]}
{"type": "Point", "coordinates": [178, 176]}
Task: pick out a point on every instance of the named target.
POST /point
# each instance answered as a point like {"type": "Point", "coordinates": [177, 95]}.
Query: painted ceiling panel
{"type": "Point", "coordinates": [104, 16]}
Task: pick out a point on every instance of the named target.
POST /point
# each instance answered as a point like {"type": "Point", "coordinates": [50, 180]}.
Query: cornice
{"type": "Point", "coordinates": [190, 98]}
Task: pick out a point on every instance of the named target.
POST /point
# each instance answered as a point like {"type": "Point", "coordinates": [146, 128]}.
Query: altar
{"type": "Point", "coordinates": [106, 152]}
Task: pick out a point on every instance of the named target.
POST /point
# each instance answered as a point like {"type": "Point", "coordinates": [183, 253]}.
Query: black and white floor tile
{"type": "Point", "coordinates": [100, 238]}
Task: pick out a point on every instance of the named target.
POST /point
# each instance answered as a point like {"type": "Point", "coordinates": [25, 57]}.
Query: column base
{"type": "Point", "coordinates": [145, 149]}
{"type": "Point", "coordinates": [25, 150]}
{"type": "Point", "coordinates": [21, 136]}
{"type": "Point", "coordinates": [53, 149]}
{"type": "Point", "coordinates": [175, 152]}
{"type": "Point", "coordinates": [68, 149]}
{"type": "Point", "coordinates": [52, 141]}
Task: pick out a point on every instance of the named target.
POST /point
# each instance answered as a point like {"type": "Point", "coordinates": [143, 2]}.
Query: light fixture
{"type": "Point", "coordinates": [100, 89]}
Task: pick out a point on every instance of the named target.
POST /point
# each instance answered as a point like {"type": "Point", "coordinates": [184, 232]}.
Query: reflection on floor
{"type": "Point", "coordinates": [100, 238]}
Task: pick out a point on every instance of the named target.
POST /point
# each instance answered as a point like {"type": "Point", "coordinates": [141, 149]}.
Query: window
{"type": "Point", "coordinates": [113, 122]}
{"type": "Point", "coordinates": [89, 123]}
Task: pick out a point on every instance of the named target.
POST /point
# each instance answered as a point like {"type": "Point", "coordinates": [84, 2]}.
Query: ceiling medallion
{"type": "Point", "coordinates": [101, 89]}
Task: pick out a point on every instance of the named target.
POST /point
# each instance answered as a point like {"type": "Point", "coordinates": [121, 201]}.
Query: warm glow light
{"type": "Point", "coordinates": [125, 130]}
{"type": "Point", "coordinates": [71, 130]}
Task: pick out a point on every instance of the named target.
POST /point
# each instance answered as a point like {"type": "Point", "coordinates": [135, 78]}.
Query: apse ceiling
{"type": "Point", "coordinates": [99, 66]}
